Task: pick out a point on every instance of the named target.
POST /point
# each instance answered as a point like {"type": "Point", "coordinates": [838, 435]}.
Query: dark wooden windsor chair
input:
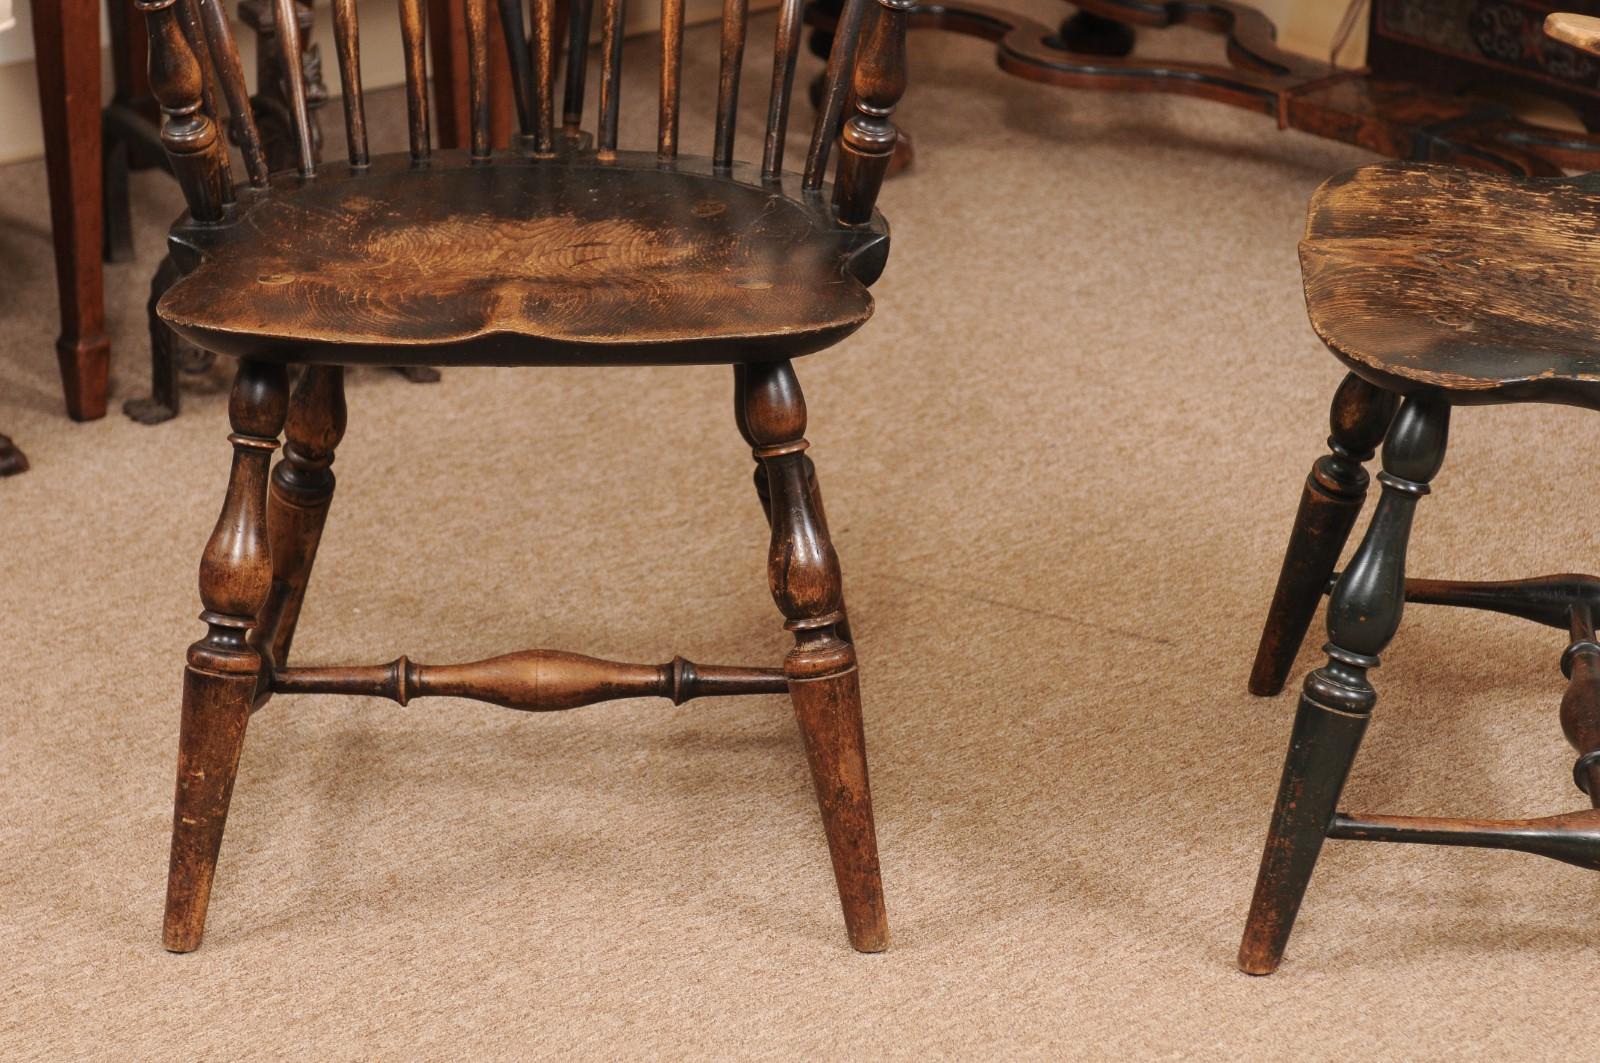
{"type": "Point", "coordinates": [566, 251]}
{"type": "Point", "coordinates": [1437, 288]}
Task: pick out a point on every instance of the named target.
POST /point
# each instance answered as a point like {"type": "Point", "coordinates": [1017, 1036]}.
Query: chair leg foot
{"type": "Point", "coordinates": [216, 710]}
{"type": "Point", "coordinates": [829, 713]}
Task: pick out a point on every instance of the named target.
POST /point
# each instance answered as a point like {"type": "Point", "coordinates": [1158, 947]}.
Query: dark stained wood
{"type": "Point", "coordinates": [869, 137]}
{"type": "Point", "coordinates": [612, 12]}
{"type": "Point", "coordinates": [224, 671]}
{"type": "Point", "coordinates": [580, 20]}
{"type": "Point", "coordinates": [298, 501]}
{"type": "Point", "coordinates": [671, 78]}
{"type": "Point", "coordinates": [735, 17]}
{"type": "Point", "coordinates": [346, 34]}
{"type": "Point", "coordinates": [1462, 281]}
{"type": "Point", "coordinates": [413, 32]}
{"type": "Point", "coordinates": [1338, 699]}
{"type": "Point", "coordinates": [535, 680]}
{"type": "Point", "coordinates": [66, 41]}
{"type": "Point", "coordinates": [836, 89]}
{"type": "Point", "coordinates": [12, 459]}
{"type": "Point", "coordinates": [188, 12]}
{"type": "Point", "coordinates": [786, 51]}
{"type": "Point", "coordinates": [1452, 288]}
{"type": "Point", "coordinates": [515, 33]}
{"type": "Point", "coordinates": [737, 271]}
{"type": "Point", "coordinates": [1329, 505]}
{"type": "Point", "coordinates": [287, 17]}
{"type": "Point", "coordinates": [560, 251]}
{"type": "Point", "coordinates": [230, 74]}
{"type": "Point", "coordinates": [189, 137]}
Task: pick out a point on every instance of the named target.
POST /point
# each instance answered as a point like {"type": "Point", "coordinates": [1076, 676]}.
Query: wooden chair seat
{"type": "Point", "coordinates": [519, 261]}
{"type": "Point", "coordinates": [1488, 287]}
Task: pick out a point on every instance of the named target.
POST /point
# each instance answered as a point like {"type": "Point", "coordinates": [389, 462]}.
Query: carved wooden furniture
{"type": "Point", "coordinates": [566, 250]}
{"type": "Point", "coordinates": [1437, 288]}
{"type": "Point", "coordinates": [1383, 109]}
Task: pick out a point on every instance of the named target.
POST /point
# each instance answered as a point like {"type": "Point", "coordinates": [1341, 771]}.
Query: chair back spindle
{"type": "Point", "coordinates": [478, 77]}
{"type": "Point", "coordinates": [671, 77]}
{"type": "Point", "coordinates": [195, 62]}
{"type": "Point", "coordinates": [413, 23]}
{"type": "Point", "coordinates": [230, 73]}
{"type": "Point", "coordinates": [581, 16]}
{"type": "Point", "coordinates": [785, 52]}
{"type": "Point", "coordinates": [517, 47]}
{"type": "Point", "coordinates": [347, 41]}
{"type": "Point", "coordinates": [545, 50]}
{"type": "Point", "coordinates": [287, 16]}
{"type": "Point", "coordinates": [735, 16]}
{"type": "Point", "coordinates": [610, 74]}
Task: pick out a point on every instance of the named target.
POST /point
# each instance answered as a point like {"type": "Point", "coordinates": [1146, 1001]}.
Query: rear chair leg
{"type": "Point", "coordinates": [224, 672]}
{"type": "Point", "coordinates": [1338, 698]}
{"type": "Point", "coordinates": [1333, 495]}
{"type": "Point", "coordinates": [298, 500]}
{"type": "Point", "coordinates": [803, 571]}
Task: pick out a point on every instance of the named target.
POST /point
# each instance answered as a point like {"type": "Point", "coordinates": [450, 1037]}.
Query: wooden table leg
{"type": "Point", "coordinates": [66, 40]}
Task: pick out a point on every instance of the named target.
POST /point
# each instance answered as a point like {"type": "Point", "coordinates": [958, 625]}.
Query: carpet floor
{"type": "Point", "coordinates": [1061, 464]}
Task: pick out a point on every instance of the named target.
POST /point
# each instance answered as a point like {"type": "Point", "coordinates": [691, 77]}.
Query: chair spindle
{"type": "Point", "coordinates": [478, 75]}
{"type": "Point", "coordinates": [287, 16]}
{"type": "Point", "coordinates": [836, 86]}
{"type": "Point", "coordinates": [734, 18]}
{"type": "Point", "coordinates": [577, 64]}
{"type": "Point", "coordinates": [517, 46]}
{"type": "Point", "coordinates": [413, 27]}
{"type": "Point", "coordinates": [610, 74]}
{"type": "Point", "coordinates": [230, 75]}
{"type": "Point", "coordinates": [189, 18]}
{"type": "Point", "coordinates": [544, 69]}
{"type": "Point", "coordinates": [867, 143]}
{"type": "Point", "coordinates": [347, 40]}
{"type": "Point", "coordinates": [188, 135]}
{"type": "Point", "coordinates": [785, 54]}
{"type": "Point", "coordinates": [671, 77]}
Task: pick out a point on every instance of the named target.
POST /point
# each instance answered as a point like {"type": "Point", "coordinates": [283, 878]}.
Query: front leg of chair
{"type": "Point", "coordinates": [298, 501]}
{"type": "Point", "coordinates": [803, 571]}
{"type": "Point", "coordinates": [1338, 698]}
{"type": "Point", "coordinates": [1329, 504]}
{"type": "Point", "coordinates": [224, 671]}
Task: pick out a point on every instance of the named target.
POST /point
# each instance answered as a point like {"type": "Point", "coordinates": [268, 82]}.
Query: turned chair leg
{"type": "Point", "coordinates": [298, 500]}
{"type": "Point", "coordinates": [1329, 504]}
{"type": "Point", "coordinates": [1338, 698]}
{"type": "Point", "coordinates": [224, 671]}
{"type": "Point", "coordinates": [803, 571]}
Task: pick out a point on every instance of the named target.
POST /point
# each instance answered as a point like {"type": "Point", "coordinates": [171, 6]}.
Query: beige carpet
{"type": "Point", "coordinates": [1061, 464]}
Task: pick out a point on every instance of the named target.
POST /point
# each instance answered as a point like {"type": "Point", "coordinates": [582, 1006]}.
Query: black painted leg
{"type": "Point", "coordinates": [114, 201]}
{"type": "Point", "coordinates": [166, 352]}
{"type": "Point", "coordinates": [1333, 495]}
{"type": "Point", "coordinates": [1363, 615]}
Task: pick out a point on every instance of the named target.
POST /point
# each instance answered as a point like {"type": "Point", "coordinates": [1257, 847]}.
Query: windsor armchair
{"type": "Point", "coordinates": [563, 251]}
{"type": "Point", "coordinates": [1437, 288]}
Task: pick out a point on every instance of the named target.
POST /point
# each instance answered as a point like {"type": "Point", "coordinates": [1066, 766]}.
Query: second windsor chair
{"type": "Point", "coordinates": [565, 251]}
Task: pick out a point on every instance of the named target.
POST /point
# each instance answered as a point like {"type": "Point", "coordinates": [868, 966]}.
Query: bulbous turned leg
{"type": "Point", "coordinates": [1332, 498]}
{"type": "Point", "coordinates": [803, 571]}
{"type": "Point", "coordinates": [224, 672]}
{"type": "Point", "coordinates": [298, 500]}
{"type": "Point", "coordinates": [1363, 615]}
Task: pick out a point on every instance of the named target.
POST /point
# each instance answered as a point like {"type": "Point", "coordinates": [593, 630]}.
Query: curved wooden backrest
{"type": "Point", "coordinates": [194, 59]}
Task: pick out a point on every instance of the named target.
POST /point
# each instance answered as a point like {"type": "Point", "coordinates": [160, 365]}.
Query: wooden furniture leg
{"type": "Point", "coordinates": [12, 459]}
{"type": "Point", "coordinates": [803, 570]}
{"type": "Point", "coordinates": [66, 39]}
{"type": "Point", "coordinates": [1338, 699]}
{"type": "Point", "coordinates": [225, 674]}
{"type": "Point", "coordinates": [1329, 505]}
{"type": "Point", "coordinates": [298, 500]}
